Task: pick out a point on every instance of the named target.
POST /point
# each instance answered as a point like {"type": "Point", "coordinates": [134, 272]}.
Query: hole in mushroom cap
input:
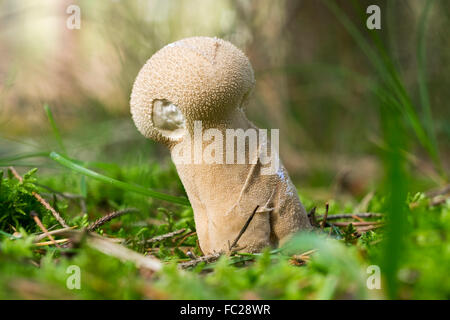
{"type": "Point", "coordinates": [168, 119]}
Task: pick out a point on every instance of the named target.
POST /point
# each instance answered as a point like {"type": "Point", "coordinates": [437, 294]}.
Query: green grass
{"type": "Point", "coordinates": [411, 250]}
{"type": "Point", "coordinates": [397, 115]}
{"type": "Point", "coordinates": [55, 129]}
{"type": "Point", "coordinates": [336, 270]}
{"type": "Point", "coordinates": [393, 89]}
{"type": "Point", "coordinates": [118, 184]}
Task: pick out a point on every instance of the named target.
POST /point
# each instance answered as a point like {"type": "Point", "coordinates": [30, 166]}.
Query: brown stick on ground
{"type": "Point", "coordinates": [99, 222]}
{"type": "Point", "coordinates": [368, 228]}
{"type": "Point", "coordinates": [350, 215]}
{"type": "Point", "coordinates": [208, 259]}
{"type": "Point", "coordinates": [183, 238]}
{"type": "Point", "coordinates": [43, 228]}
{"type": "Point", "coordinates": [50, 208]}
{"type": "Point", "coordinates": [365, 223]}
{"type": "Point", "coordinates": [358, 218]}
{"type": "Point", "coordinates": [438, 192]}
{"type": "Point", "coordinates": [438, 200]}
{"type": "Point", "coordinates": [46, 243]}
{"type": "Point", "coordinates": [109, 247]}
{"type": "Point", "coordinates": [42, 201]}
{"type": "Point", "coordinates": [301, 258]}
{"type": "Point", "coordinates": [324, 221]}
{"type": "Point", "coordinates": [165, 236]}
{"type": "Point", "coordinates": [39, 237]}
{"type": "Point", "coordinates": [243, 229]}
{"type": "Point", "coordinates": [123, 253]}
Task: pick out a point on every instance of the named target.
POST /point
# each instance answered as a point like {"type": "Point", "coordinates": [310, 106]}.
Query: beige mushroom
{"type": "Point", "coordinates": [209, 80]}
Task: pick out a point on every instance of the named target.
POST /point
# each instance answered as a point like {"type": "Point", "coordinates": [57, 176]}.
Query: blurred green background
{"type": "Point", "coordinates": [314, 82]}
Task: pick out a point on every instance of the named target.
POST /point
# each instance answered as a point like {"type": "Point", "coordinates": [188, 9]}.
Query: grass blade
{"type": "Point", "coordinates": [55, 129]}
{"type": "Point", "coordinates": [396, 184]}
{"type": "Point", "coordinates": [390, 77]}
{"type": "Point", "coordinates": [421, 65]}
{"type": "Point", "coordinates": [116, 183]}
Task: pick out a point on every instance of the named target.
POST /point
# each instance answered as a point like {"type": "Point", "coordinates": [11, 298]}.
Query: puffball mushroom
{"type": "Point", "coordinates": [208, 81]}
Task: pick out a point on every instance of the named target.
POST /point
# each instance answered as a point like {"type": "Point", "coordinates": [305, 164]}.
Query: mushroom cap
{"type": "Point", "coordinates": [205, 78]}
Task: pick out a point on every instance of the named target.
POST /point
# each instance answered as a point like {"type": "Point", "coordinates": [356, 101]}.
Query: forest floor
{"type": "Point", "coordinates": [134, 247]}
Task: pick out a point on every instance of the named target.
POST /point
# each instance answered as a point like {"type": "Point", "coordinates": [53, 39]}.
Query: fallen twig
{"type": "Point", "coordinates": [365, 223]}
{"type": "Point", "coordinates": [165, 236]}
{"type": "Point", "coordinates": [55, 242]}
{"type": "Point", "coordinates": [53, 233]}
{"type": "Point", "coordinates": [350, 215]}
{"type": "Point", "coordinates": [109, 217]}
{"type": "Point", "coordinates": [368, 228]}
{"type": "Point", "coordinates": [50, 208]}
{"type": "Point", "coordinates": [123, 253]}
{"type": "Point", "coordinates": [358, 218]}
{"type": "Point", "coordinates": [41, 200]}
{"type": "Point", "coordinates": [436, 196]}
{"type": "Point", "coordinates": [438, 192]}
{"type": "Point", "coordinates": [43, 228]}
{"type": "Point", "coordinates": [109, 247]}
{"type": "Point", "coordinates": [208, 259]}
{"type": "Point", "coordinates": [325, 216]}
{"type": "Point", "coordinates": [300, 259]}
{"type": "Point", "coordinates": [243, 229]}
{"type": "Point", "coordinates": [184, 238]}
{"type": "Point", "coordinates": [437, 200]}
